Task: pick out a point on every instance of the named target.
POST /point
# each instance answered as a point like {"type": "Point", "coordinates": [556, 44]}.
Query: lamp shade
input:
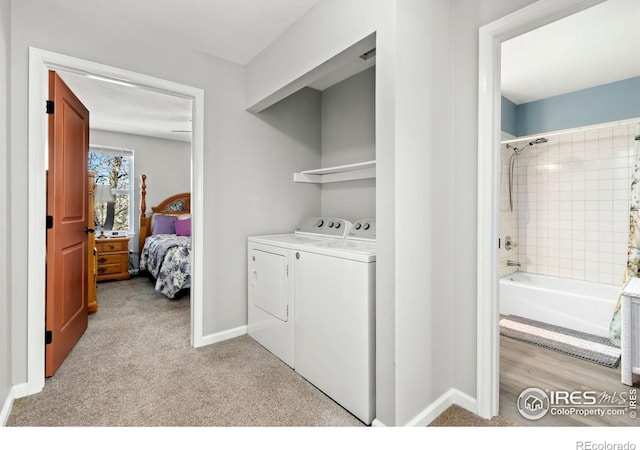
{"type": "Point", "coordinates": [103, 194]}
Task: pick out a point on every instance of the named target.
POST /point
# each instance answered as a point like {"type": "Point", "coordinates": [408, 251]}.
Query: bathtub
{"type": "Point", "coordinates": [579, 305]}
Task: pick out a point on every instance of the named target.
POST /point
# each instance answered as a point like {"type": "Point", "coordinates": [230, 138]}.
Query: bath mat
{"type": "Point", "coordinates": [582, 345]}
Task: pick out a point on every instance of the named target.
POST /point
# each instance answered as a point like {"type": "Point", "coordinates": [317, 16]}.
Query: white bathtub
{"type": "Point", "coordinates": [579, 305]}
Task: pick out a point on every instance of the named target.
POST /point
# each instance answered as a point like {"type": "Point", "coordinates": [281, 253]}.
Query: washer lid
{"type": "Point", "coordinates": [289, 241]}
{"type": "Point", "coordinates": [363, 251]}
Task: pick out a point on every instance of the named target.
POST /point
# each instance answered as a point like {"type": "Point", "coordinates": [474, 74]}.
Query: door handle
{"type": "Point", "coordinates": [89, 230]}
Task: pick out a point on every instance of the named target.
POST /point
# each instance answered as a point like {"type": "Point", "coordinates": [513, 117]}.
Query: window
{"type": "Point", "coordinates": [114, 167]}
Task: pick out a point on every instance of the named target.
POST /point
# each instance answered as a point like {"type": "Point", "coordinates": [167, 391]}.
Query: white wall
{"type": "Point", "coordinates": [167, 164]}
{"type": "Point", "coordinates": [236, 146]}
{"type": "Point", "coordinates": [348, 136]}
{"type": "Point", "coordinates": [5, 256]}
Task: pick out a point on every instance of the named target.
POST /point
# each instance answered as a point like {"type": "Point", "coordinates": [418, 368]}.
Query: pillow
{"type": "Point", "coordinates": [183, 227]}
{"type": "Point", "coordinates": [163, 224]}
{"type": "Point", "coordinates": [183, 216]}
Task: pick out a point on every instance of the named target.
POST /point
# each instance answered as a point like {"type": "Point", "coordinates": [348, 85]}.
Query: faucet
{"type": "Point", "coordinates": [512, 263]}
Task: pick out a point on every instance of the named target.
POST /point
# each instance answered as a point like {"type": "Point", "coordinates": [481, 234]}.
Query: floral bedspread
{"type": "Point", "coordinates": [168, 258]}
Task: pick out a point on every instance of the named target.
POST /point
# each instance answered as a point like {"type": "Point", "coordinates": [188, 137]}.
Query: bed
{"type": "Point", "coordinates": [165, 242]}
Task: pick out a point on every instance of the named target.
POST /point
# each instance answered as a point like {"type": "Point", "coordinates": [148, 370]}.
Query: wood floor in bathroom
{"type": "Point", "coordinates": [525, 365]}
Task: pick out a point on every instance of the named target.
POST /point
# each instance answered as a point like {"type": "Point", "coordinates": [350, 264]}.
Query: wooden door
{"type": "Point", "coordinates": [67, 215]}
{"type": "Point", "coordinates": [92, 300]}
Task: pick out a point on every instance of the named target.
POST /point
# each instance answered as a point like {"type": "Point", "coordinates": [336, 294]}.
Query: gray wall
{"type": "Point", "coordinates": [248, 160]}
{"type": "Point", "coordinates": [166, 163]}
{"type": "Point", "coordinates": [469, 16]}
{"type": "Point", "coordinates": [348, 136]}
{"type": "Point", "coordinates": [5, 256]}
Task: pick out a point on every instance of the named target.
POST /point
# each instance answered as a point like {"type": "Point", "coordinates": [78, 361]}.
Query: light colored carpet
{"type": "Point", "coordinates": [455, 416]}
{"type": "Point", "coordinates": [134, 367]}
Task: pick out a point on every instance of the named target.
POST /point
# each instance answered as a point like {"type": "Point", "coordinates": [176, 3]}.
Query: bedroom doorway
{"type": "Point", "coordinates": [489, 136]}
{"type": "Point", "coordinates": [40, 62]}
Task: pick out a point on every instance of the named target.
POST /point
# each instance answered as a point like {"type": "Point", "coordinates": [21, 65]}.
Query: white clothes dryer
{"type": "Point", "coordinates": [271, 277]}
{"type": "Point", "coordinates": [335, 318]}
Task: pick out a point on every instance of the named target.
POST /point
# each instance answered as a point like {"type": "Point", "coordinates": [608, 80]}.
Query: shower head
{"type": "Point", "coordinates": [517, 151]}
{"type": "Point", "coordinates": [538, 141]}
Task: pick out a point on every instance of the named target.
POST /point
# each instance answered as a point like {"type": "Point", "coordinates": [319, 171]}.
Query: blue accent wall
{"type": "Point", "coordinates": [606, 103]}
{"type": "Point", "coordinates": [508, 116]}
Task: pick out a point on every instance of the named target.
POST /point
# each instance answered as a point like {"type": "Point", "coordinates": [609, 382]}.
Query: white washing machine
{"type": "Point", "coordinates": [271, 277]}
{"type": "Point", "coordinates": [335, 318]}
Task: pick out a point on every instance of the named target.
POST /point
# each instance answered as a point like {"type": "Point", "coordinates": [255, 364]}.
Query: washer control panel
{"type": "Point", "coordinates": [364, 229]}
{"type": "Point", "coordinates": [324, 226]}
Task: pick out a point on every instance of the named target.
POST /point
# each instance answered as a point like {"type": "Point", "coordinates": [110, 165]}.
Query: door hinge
{"type": "Point", "coordinates": [48, 337]}
{"type": "Point", "coordinates": [50, 106]}
{"type": "Point", "coordinates": [49, 222]}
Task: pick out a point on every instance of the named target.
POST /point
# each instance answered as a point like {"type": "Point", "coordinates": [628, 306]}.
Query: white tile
{"type": "Point", "coordinates": [621, 140]}
{"type": "Point", "coordinates": [620, 130]}
{"type": "Point", "coordinates": [565, 272]}
{"type": "Point", "coordinates": [591, 205]}
{"type": "Point", "coordinates": [591, 225]}
{"type": "Point", "coordinates": [590, 265]}
{"type": "Point", "coordinates": [605, 267]}
{"type": "Point", "coordinates": [620, 237]}
{"type": "Point", "coordinates": [607, 257]}
{"type": "Point", "coordinates": [605, 278]}
{"type": "Point", "coordinates": [605, 195]}
{"type": "Point", "coordinates": [605, 237]}
{"type": "Point", "coordinates": [591, 235]}
{"type": "Point", "coordinates": [592, 184]}
{"type": "Point", "coordinates": [621, 173]}
{"type": "Point", "coordinates": [605, 247]}
{"type": "Point", "coordinates": [578, 274]}
{"type": "Point", "coordinates": [591, 276]}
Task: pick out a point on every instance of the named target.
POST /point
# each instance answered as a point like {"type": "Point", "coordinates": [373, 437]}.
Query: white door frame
{"type": "Point", "coordinates": [40, 62]}
{"type": "Point", "coordinates": [490, 38]}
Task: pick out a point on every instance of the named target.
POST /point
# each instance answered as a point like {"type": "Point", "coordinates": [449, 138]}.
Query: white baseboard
{"type": "Point", "coordinates": [15, 392]}
{"type": "Point", "coordinates": [21, 390]}
{"type": "Point", "coordinates": [223, 336]}
{"type": "Point", "coordinates": [451, 397]}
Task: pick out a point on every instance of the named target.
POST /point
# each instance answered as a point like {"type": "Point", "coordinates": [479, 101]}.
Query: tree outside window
{"type": "Point", "coordinates": [114, 168]}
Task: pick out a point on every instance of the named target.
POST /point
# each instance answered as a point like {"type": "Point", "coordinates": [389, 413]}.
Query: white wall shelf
{"type": "Point", "coordinates": [349, 172]}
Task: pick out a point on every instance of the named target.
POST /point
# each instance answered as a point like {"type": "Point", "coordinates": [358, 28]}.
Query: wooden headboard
{"type": "Point", "coordinates": [176, 204]}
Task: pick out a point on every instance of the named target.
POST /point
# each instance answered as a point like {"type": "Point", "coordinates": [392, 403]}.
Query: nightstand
{"type": "Point", "coordinates": [113, 258]}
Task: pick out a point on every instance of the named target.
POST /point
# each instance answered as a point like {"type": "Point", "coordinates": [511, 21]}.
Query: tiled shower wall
{"type": "Point", "coordinates": [508, 218]}
{"type": "Point", "coordinates": [572, 205]}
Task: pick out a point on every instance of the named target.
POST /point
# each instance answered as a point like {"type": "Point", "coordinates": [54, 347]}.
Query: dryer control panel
{"type": "Point", "coordinates": [364, 229]}
{"type": "Point", "coordinates": [324, 226]}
